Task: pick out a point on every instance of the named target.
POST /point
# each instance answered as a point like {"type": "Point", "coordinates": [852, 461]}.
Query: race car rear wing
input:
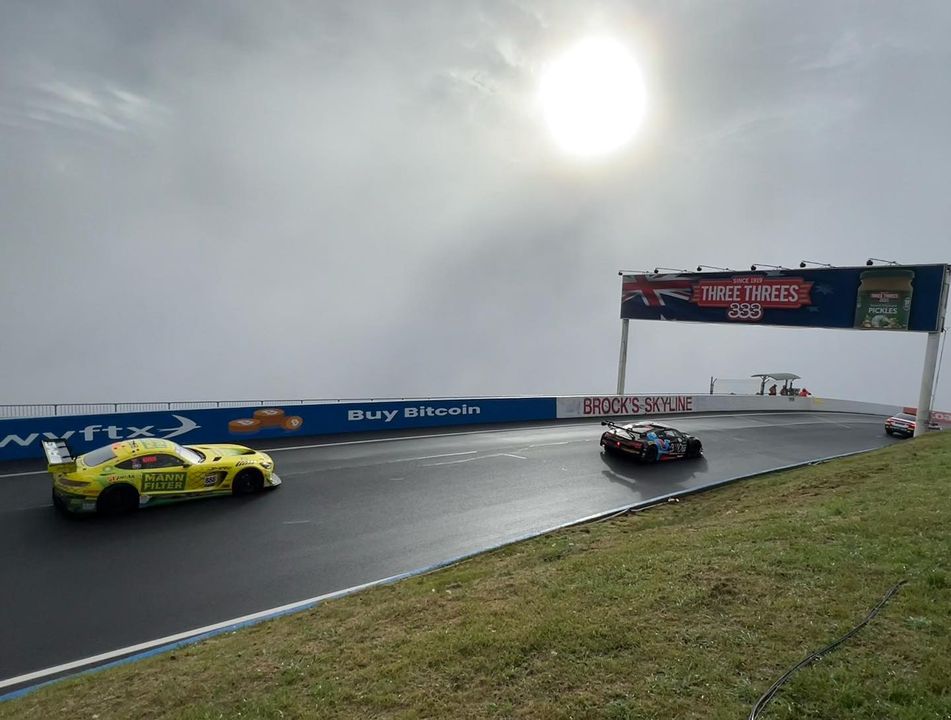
{"type": "Point", "coordinates": [615, 426]}
{"type": "Point", "coordinates": [58, 456]}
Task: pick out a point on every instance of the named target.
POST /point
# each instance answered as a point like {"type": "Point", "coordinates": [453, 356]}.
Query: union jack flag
{"type": "Point", "coordinates": [656, 290]}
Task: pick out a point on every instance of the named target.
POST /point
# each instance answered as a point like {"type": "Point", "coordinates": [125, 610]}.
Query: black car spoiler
{"type": "Point", "coordinates": [615, 426]}
{"type": "Point", "coordinates": [58, 456]}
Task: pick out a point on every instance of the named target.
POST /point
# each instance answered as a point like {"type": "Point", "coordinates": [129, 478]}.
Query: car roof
{"type": "Point", "coordinates": [647, 425]}
{"type": "Point", "coordinates": [128, 448]}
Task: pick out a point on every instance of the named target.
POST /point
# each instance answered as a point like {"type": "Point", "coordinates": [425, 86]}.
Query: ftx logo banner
{"type": "Point", "coordinates": [21, 438]}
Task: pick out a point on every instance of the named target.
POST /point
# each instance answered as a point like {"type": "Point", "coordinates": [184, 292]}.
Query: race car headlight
{"type": "Point", "coordinates": [267, 465]}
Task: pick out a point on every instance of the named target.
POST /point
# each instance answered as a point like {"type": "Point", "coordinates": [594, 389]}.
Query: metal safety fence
{"type": "Point", "coordinates": [39, 410]}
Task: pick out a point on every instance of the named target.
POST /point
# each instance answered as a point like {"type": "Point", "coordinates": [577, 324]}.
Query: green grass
{"type": "Point", "coordinates": [688, 610]}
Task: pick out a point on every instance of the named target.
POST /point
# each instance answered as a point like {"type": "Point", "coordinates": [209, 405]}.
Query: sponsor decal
{"type": "Point", "coordinates": [884, 299]}
{"type": "Point", "coordinates": [264, 419]}
{"type": "Point", "coordinates": [162, 481]}
{"type": "Point", "coordinates": [636, 404]}
{"type": "Point", "coordinates": [908, 297]}
{"type": "Point", "coordinates": [747, 296]}
{"type": "Point", "coordinates": [937, 416]}
{"type": "Point", "coordinates": [210, 480]}
{"type": "Point", "coordinates": [106, 432]}
{"type": "Point", "coordinates": [417, 411]}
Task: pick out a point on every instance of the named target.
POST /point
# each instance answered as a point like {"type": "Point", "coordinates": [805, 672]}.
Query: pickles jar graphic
{"type": "Point", "coordinates": [265, 419]}
{"type": "Point", "coordinates": [883, 301]}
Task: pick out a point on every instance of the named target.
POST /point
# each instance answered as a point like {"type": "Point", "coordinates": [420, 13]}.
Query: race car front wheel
{"type": "Point", "coordinates": [651, 454]}
{"type": "Point", "coordinates": [246, 482]}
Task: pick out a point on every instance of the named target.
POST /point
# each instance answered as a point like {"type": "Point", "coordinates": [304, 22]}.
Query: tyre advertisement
{"type": "Point", "coordinates": [883, 297]}
{"type": "Point", "coordinates": [20, 438]}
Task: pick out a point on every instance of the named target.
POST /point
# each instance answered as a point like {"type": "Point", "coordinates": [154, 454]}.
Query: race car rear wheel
{"type": "Point", "coordinates": [117, 500]}
{"type": "Point", "coordinates": [59, 504]}
{"type": "Point", "coordinates": [247, 481]}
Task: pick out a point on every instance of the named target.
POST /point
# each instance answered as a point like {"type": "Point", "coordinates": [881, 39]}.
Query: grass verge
{"type": "Point", "coordinates": [689, 610]}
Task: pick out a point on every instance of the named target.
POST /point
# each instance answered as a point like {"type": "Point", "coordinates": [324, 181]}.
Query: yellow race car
{"type": "Point", "coordinates": [127, 475]}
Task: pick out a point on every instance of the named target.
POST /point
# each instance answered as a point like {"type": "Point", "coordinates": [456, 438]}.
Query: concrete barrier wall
{"type": "Point", "coordinates": [20, 438]}
{"type": "Point", "coordinates": [634, 405]}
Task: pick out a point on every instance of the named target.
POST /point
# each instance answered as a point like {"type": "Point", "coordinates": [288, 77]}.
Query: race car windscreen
{"type": "Point", "coordinates": [188, 455]}
{"type": "Point", "coordinates": [634, 430]}
{"type": "Point", "coordinates": [98, 457]}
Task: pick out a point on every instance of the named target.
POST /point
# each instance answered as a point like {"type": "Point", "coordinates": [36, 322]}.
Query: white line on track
{"type": "Point", "coordinates": [32, 472]}
{"type": "Point", "coordinates": [28, 507]}
{"type": "Point", "coordinates": [431, 457]}
{"type": "Point", "coordinates": [454, 462]}
{"type": "Point", "coordinates": [422, 437]}
{"type": "Point", "coordinates": [555, 425]}
{"type": "Point", "coordinates": [536, 428]}
{"type": "Point", "coordinates": [590, 421]}
{"type": "Point", "coordinates": [470, 459]}
{"type": "Point", "coordinates": [177, 637]}
{"type": "Point", "coordinates": [170, 639]}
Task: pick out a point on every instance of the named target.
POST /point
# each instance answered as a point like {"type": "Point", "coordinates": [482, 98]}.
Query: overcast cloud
{"type": "Point", "coordinates": [205, 200]}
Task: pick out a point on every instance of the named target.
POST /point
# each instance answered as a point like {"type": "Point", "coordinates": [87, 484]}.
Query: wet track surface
{"type": "Point", "coordinates": [347, 514]}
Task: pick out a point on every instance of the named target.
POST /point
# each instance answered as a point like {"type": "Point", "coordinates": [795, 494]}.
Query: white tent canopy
{"type": "Point", "coordinates": [784, 377]}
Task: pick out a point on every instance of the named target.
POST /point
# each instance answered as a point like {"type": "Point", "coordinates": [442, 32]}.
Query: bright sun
{"type": "Point", "coordinates": [593, 97]}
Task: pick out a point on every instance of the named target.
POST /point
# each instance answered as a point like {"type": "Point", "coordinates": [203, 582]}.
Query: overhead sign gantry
{"type": "Point", "coordinates": [894, 298]}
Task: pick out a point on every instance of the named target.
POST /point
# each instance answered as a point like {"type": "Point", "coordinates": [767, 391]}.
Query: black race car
{"type": "Point", "coordinates": [903, 425]}
{"type": "Point", "coordinates": [649, 441]}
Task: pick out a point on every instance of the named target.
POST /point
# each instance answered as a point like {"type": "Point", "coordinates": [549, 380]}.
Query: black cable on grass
{"type": "Point", "coordinates": [774, 688]}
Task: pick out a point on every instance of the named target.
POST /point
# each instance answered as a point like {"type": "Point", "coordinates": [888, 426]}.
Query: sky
{"type": "Point", "coordinates": [290, 200]}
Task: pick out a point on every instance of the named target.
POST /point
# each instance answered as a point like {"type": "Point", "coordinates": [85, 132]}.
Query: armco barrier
{"type": "Point", "coordinates": [20, 438]}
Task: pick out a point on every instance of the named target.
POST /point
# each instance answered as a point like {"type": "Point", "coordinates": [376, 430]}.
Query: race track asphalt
{"type": "Point", "coordinates": [348, 513]}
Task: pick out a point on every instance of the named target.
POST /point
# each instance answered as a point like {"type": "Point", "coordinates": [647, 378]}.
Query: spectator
{"type": "Point", "coordinates": [772, 389]}
{"type": "Point", "coordinates": [804, 393]}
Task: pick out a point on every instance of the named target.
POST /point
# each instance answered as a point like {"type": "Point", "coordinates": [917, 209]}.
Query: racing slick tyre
{"type": "Point", "coordinates": [269, 417]}
{"type": "Point", "coordinates": [888, 431]}
{"type": "Point", "coordinates": [694, 450]}
{"type": "Point", "coordinates": [651, 455]}
{"type": "Point", "coordinates": [117, 500]}
{"type": "Point", "coordinates": [59, 505]}
{"type": "Point", "coordinates": [247, 482]}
